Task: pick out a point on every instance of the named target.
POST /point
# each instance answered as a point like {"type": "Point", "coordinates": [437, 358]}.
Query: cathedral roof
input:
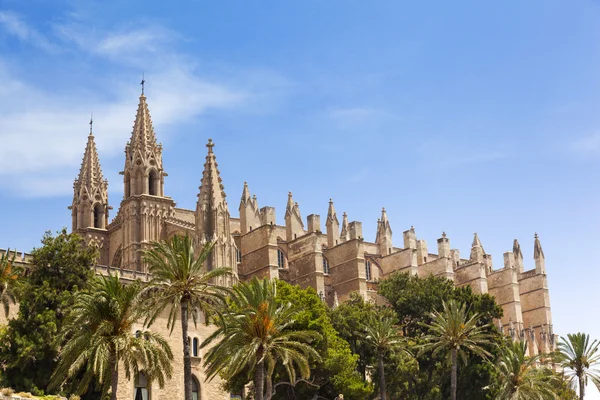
{"type": "Point", "coordinates": [212, 191]}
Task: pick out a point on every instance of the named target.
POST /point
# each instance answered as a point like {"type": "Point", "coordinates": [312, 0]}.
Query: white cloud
{"type": "Point", "coordinates": [16, 26]}
{"type": "Point", "coordinates": [43, 133]}
{"type": "Point", "coordinates": [589, 144]}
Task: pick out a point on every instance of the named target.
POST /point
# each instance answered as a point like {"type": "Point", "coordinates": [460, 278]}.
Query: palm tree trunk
{"type": "Point", "coordinates": [269, 387]}
{"type": "Point", "coordinates": [581, 387]}
{"type": "Point", "coordinates": [453, 374]}
{"type": "Point", "coordinates": [114, 376]}
{"type": "Point", "coordinates": [187, 360]}
{"type": "Point", "coordinates": [382, 389]}
{"type": "Point", "coordinates": [259, 376]}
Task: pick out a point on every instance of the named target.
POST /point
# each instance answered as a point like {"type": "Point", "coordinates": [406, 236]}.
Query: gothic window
{"type": "Point", "coordinates": [280, 258]}
{"type": "Point", "coordinates": [195, 389]}
{"type": "Point", "coordinates": [325, 265]}
{"type": "Point", "coordinates": [116, 262]}
{"type": "Point", "coordinates": [195, 347]}
{"type": "Point", "coordinates": [98, 214]}
{"type": "Point", "coordinates": [368, 269]}
{"type": "Point", "coordinates": [142, 391]}
{"type": "Point", "coordinates": [238, 255]}
{"type": "Point", "coordinates": [152, 183]}
{"type": "Point", "coordinates": [127, 181]}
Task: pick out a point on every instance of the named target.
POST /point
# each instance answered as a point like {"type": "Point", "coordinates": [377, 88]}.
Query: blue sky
{"type": "Point", "coordinates": [461, 116]}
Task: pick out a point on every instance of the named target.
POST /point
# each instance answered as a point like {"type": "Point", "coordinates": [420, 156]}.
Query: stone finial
{"type": "Point", "coordinates": [444, 235]}
{"type": "Point", "coordinates": [210, 145]}
{"type": "Point", "coordinates": [537, 248]}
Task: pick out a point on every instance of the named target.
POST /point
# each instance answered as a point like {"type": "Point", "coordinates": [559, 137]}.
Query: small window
{"type": "Point", "coordinates": [195, 347]}
{"type": "Point", "coordinates": [195, 389]}
{"type": "Point", "coordinates": [424, 259]}
{"type": "Point", "coordinates": [280, 258]}
{"type": "Point", "coordinates": [141, 387]}
{"type": "Point", "coordinates": [238, 255]}
{"type": "Point", "coordinates": [368, 270]}
{"type": "Point", "coordinates": [325, 265]}
{"type": "Point", "coordinates": [153, 183]}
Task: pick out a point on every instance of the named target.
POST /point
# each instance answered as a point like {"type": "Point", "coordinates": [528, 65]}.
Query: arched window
{"type": "Point", "coordinates": [195, 347]}
{"type": "Point", "coordinates": [153, 183]}
{"type": "Point", "coordinates": [142, 391]}
{"type": "Point", "coordinates": [368, 269]}
{"type": "Point", "coordinates": [98, 216]}
{"type": "Point", "coordinates": [238, 255]}
{"type": "Point", "coordinates": [280, 258]}
{"type": "Point", "coordinates": [127, 182]}
{"type": "Point", "coordinates": [75, 217]}
{"type": "Point", "coordinates": [195, 389]}
{"type": "Point", "coordinates": [325, 265]}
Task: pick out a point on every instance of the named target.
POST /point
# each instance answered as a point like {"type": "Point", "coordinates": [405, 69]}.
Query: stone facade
{"type": "Point", "coordinates": [335, 262]}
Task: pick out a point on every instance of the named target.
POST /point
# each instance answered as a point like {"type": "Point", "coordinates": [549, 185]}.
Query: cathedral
{"type": "Point", "coordinates": [335, 262]}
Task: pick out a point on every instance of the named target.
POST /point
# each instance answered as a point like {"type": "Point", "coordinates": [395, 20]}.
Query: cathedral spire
{"type": "Point", "coordinates": [212, 214]}
{"type": "Point", "coordinates": [477, 251]}
{"type": "Point", "coordinates": [212, 192]}
{"type": "Point", "coordinates": [293, 220]}
{"type": "Point", "coordinates": [333, 226]}
{"type": "Point", "coordinates": [90, 197]}
{"type": "Point", "coordinates": [384, 234]}
{"type": "Point", "coordinates": [518, 256]}
{"type": "Point", "coordinates": [538, 255]}
{"type": "Point", "coordinates": [144, 174]}
{"type": "Point", "coordinates": [249, 213]}
{"type": "Point", "coordinates": [344, 234]}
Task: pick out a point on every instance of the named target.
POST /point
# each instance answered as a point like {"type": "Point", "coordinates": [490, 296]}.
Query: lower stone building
{"type": "Point", "coordinates": [335, 261]}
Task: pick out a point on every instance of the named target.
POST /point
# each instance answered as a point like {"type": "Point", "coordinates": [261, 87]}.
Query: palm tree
{"type": "Point", "coordinates": [383, 337]}
{"type": "Point", "coordinates": [99, 333]}
{"type": "Point", "coordinates": [580, 360]}
{"type": "Point", "coordinates": [9, 273]}
{"type": "Point", "coordinates": [452, 331]}
{"type": "Point", "coordinates": [255, 334]}
{"type": "Point", "coordinates": [181, 284]}
{"type": "Point", "coordinates": [519, 376]}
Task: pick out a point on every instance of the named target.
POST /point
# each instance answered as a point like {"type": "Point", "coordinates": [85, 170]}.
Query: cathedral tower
{"type": "Point", "coordinates": [144, 208]}
{"type": "Point", "coordinates": [89, 209]}
{"type": "Point", "coordinates": [90, 197]}
{"type": "Point", "coordinates": [212, 216]}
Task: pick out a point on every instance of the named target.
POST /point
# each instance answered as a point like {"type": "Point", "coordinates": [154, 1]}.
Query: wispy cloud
{"type": "Point", "coordinates": [43, 132]}
{"type": "Point", "coordinates": [15, 25]}
{"type": "Point", "coordinates": [589, 144]}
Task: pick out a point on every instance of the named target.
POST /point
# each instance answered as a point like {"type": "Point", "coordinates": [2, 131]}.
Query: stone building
{"type": "Point", "coordinates": [335, 261]}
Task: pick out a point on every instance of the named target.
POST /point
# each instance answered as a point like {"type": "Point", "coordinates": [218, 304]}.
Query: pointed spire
{"type": "Point", "coordinates": [517, 249]}
{"type": "Point", "coordinates": [143, 138]}
{"type": "Point", "coordinates": [90, 172]}
{"type": "Point", "coordinates": [344, 235]}
{"type": "Point", "coordinates": [477, 251]}
{"type": "Point", "coordinates": [538, 253]}
{"type": "Point", "coordinates": [331, 214]}
{"type": "Point", "coordinates": [245, 193]}
{"type": "Point", "coordinates": [212, 192]}
{"type": "Point", "coordinates": [476, 241]}
{"type": "Point", "coordinates": [518, 255]}
{"type": "Point", "coordinates": [290, 202]}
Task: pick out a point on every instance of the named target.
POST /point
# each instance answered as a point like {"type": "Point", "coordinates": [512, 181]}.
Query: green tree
{"type": "Point", "coordinates": [383, 336]}
{"type": "Point", "coordinates": [347, 318]}
{"type": "Point", "coordinates": [519, 376]}
{"type": "Point", "coordinates": [414, 299]}
{"type": "Point", "coordinates": [336, 372]}
{"type": "Point", "coordinates": [108, 311]}
{"type": "Point", "coordinates": [580, 360]}
{"type": "Point", "coordinates": [454, 332]}
{"type": "Point", "coordinates": [29, 348]}
{"type": "Point", "coordinates": [9, 273]}
{"type": "Point", "coordinates": [257, 333]}
{"type": "Point", "coordinates": [181, 284]}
